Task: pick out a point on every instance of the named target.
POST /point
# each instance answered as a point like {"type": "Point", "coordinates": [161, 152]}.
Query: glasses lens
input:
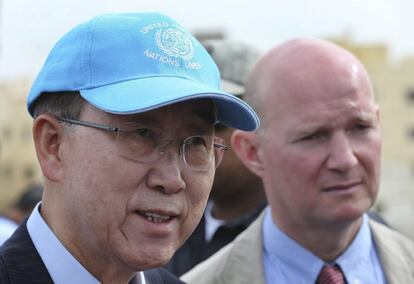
{"type": "Point", "coordinates": [142, 145]}
{"type": "Point", "coordinates": [198, 152]}
{"type": "Point", "coordinates": [138, 145]}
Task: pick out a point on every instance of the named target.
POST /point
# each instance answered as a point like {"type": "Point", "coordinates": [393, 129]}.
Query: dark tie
{"type": "Point", "coordinates": [331, 274]}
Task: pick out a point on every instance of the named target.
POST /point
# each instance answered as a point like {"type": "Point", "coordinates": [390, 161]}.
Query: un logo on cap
{"type": "Point", "coordinates": [175, 43]}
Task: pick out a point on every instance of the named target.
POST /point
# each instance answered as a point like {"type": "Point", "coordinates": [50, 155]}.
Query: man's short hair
{"type": "Point", "coordinates": [66, 104]}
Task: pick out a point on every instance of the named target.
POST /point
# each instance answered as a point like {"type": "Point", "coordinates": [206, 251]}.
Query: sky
{"type": "Point", "coordinates": [28, 29]}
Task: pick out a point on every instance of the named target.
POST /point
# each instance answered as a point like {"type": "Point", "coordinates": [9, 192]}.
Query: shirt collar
{"type": "Point", "coordinates": [301, 261]}
{"type": "Point", "coordinates": [60, 263]}
{"type": "Point", "coordinates": [282, 249]}
{"type": "Point", "coordinates": [212, 224]}
{"type": "Point", "coordinates": [357, 257]}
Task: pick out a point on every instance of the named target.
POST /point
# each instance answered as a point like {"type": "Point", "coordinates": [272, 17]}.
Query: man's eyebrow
{"type": "Point", "coordinates": [140, 119]}
{"type": "Point", "coordinates": [305, 130]}
{"type": "Point", "coordinates": [311, 129]}
{"type": "Point", "coordinates": [365, 117]}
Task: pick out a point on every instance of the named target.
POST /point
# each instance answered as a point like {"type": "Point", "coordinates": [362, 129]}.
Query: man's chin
{"type": "Point", "coordinates": [147, 259]}
{"type": "Point", "coordinates": [349, 216]}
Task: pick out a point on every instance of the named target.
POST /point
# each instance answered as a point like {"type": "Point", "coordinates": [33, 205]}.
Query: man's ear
{"type": "Point", "coordinates": [245, 144]}
{"type": "Point", "coordinates": [48, 134]}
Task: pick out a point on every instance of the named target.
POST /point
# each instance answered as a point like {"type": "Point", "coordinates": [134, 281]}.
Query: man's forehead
{"type": "Point", "coordinates": [313, 68]}
{"type": "Point", "coordinates": [318, 120]}
{"type": "Point", "coordinates": [341, 94]}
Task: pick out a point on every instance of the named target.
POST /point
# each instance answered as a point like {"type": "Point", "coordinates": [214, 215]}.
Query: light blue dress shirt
{"type": "Point", "coordinates": [286, 261]}
{"type": "Point", "coordinates": [61, 265]}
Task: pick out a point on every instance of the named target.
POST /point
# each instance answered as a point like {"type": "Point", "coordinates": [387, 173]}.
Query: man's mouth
{"type": "Point", "coordinates": [155, 217]}
{"type": "Point", "coordinates": [342, 186]}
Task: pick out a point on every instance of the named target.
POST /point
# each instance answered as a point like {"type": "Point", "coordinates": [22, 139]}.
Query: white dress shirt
{"type": "Point", "coordinates": [63, 268]}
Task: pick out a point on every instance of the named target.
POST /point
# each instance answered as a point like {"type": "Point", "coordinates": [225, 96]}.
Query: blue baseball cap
{"type": "Point", "coordinates": [136, 62]}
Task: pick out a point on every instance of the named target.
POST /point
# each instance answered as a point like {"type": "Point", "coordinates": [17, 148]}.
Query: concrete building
{"type": "Point", "coordinates": [18, 163]}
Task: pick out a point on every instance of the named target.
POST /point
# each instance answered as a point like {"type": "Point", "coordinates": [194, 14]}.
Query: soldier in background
{"type": "Point", "coordinates": [237, 197]}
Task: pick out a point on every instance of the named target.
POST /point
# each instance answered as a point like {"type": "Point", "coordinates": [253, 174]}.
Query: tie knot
{"type": "Point", "coordinates": [331, 274]}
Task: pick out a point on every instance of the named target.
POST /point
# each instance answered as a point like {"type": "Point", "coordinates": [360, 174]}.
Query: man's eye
{"type": "Point", "coordinates": [196, 141]}
{"type": "Point", "coordinates": [361, 127]}
{"type": "Point", "coordinates": [313, 137]}
{"type": "Point", "coordinates": [143, 133]}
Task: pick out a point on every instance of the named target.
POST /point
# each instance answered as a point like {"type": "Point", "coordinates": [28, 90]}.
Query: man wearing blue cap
{"type": "Point", "coordinates": [124, 111]}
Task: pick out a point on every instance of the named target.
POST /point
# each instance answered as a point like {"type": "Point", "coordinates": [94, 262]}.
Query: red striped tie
{"type": "Point", "coordinates": [331, 275]}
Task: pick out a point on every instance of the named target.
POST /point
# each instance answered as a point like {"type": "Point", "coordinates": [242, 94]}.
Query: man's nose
{"type": "Point", "coordinates": [341, 155]}
{"type": "Point", "coordinates": [166, 175]}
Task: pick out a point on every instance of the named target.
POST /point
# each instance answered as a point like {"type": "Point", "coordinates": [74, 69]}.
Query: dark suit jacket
{"type": "Point", "coordinates": [20, 263]}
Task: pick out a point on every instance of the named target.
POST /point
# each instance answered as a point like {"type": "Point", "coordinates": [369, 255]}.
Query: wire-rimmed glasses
{"type": "Point", "coordinates": [146, 145]}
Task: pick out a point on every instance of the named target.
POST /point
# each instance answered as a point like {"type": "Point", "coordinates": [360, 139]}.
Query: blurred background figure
{"type": "Point", "coordinates": [237, 197]}
{"type": "Point", "coordinates": [19, 210]}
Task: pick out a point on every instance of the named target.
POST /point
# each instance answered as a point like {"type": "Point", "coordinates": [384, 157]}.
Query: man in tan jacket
{"type": "Point", "coordinates": [318, 154]}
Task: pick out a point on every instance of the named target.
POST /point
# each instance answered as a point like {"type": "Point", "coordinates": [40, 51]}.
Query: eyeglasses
{"type": "Point", "coordinates": [146, 145]}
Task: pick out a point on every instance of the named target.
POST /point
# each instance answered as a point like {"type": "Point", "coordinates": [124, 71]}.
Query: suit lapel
{"type": "Point", "coordinates": [394, 253]}
{"type": "Point", "coordinates": [22, 260]}
{"type": "Point", "coordinates": [244, 264]}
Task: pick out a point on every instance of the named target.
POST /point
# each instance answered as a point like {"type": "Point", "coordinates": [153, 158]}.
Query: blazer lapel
{"type": "Point", "coordinates": [394, 250]}
{"type": "Point", "coordinates": [22, 261]}
{"type": "Point", "coordinates": [244, 264]}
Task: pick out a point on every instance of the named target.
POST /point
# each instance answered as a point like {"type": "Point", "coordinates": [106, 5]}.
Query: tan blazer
{"type": "Point", "coordinates": [241, 261]}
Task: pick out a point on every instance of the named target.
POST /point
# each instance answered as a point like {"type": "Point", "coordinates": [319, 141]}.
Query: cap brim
{"type": "Point", "coordinates": [140, 95]}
